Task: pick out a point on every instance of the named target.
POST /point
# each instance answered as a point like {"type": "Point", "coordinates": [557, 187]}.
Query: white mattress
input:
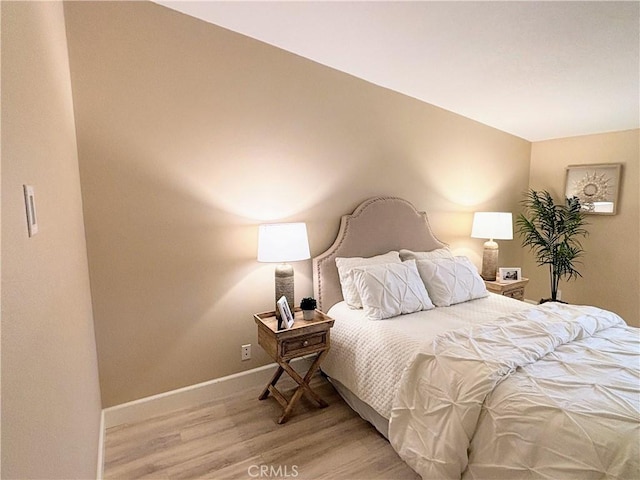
{"type": "Point", "coordinates": [368, 357]}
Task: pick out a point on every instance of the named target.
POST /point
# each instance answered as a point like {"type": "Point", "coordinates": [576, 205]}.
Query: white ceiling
{"type": "Point", "coordinates": [538, 70]}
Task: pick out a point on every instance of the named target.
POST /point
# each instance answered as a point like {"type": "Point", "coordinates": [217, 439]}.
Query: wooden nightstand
{"type": "Point", "coordinates": [513, 289]}
{"type": "Point", "coordinates": [303, 338]}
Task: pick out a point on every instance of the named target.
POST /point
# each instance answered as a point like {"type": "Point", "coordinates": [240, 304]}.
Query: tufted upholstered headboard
{"type": "Point", "coordinates": [376, 226]}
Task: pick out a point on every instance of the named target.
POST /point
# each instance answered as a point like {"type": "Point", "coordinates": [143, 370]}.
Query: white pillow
{"type": "Point", "coordinates": [437, 253]}
{"type": "Point", "coordinates": [391, 289]}
{"type": "Point", "coordinates": [346, 265]}
{"type": "Point", "coordinates": [451, 280]}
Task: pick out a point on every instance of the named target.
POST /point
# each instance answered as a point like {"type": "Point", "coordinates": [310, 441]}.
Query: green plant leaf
{"type": "Point", "coordinates": [552, 233]}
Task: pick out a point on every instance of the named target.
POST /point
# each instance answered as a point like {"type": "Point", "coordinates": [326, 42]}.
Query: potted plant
{"type": "Point", "coordinates": [308, 306]}
{"type": "Point", "coordinates": [552, 232]}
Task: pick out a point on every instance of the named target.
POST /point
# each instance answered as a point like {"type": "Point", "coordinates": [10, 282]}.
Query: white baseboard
{"type": "Point", "coordinates": [100, 471]}
{"type": "Point", "coordinates": [191, 396]}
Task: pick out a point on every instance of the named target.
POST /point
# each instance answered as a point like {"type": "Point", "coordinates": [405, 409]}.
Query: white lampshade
{"type": "Point", "coordinates": [283, 242]}
{"type": "Point", "coordinates": [492, 225]}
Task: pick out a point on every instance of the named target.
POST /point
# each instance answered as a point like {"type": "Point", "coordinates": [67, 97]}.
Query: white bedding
{"type": "Point", "coordinates": [368, 357]}
{"type": "Point", "coordinates": [551, 392]}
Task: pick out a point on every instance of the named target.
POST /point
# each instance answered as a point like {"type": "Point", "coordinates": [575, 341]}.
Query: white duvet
{"type": "Point", "coordinates": [369, 356]}
{"type": "Point", "coordinates": [548, 392]}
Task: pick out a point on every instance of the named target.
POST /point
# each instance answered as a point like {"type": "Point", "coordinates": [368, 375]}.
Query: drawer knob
{"type": "Point", "coordinates": [305, 343]}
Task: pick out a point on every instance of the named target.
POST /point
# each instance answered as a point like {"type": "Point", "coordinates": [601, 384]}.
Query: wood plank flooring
{"type": "Point", "coordinates": [238, 438]}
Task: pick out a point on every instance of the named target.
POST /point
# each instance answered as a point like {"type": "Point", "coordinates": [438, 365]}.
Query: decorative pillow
{"type": "Point", "coordinates": [451, 280]}
{"type": "Point", "coordinates": [391, 289]}
{"type": "Point", "coordinates": [346, 265]}
{"type": "Point", "coordinates": [437, 253]}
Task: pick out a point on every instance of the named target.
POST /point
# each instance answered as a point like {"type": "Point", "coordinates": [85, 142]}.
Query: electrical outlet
{"type": "Point", "coordinates": [245, 352]}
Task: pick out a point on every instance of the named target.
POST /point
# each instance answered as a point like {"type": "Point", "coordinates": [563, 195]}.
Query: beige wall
{"type": "Point", "coordinates": [50, 391]}
{"type": "Point", "coordinates": [611, 266]}
{"type": "Point", "coordinates": [190, 136]}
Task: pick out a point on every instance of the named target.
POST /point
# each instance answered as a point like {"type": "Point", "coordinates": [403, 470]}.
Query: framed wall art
{"type": "Point", "coordinates": [596, 186]}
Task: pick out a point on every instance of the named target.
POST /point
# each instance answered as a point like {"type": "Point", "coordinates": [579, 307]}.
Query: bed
{"type": "Point", "coordinates": [465, 383]}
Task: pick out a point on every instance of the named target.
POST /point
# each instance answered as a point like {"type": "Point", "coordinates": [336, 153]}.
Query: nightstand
{"type": "Point", "coordinates": [305, 337]}
{"type": "Point", "coordinates": [514, 289]}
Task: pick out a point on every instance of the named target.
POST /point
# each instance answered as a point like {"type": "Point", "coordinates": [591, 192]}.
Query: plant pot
{"type": "Point", "coordinates": [308, 314]}
{"type": "Point", "coordinates": [545, 300]}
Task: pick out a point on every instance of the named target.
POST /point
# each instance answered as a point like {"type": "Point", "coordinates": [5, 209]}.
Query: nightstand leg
{"type": "Point", "coordinates": [302, 389]}
{"type": "Point", "coordinates": [312, 370]}
{"type": "Point", "coordinates": [289, 408]}
{"type": "Point", "coordinates": [304, 382]}
{"type": "Point", "coordinates": [272, 383]}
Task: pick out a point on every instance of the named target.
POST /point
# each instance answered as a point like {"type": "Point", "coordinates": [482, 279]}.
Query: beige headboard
{"type": "Point", "coordinates": [377, 226]}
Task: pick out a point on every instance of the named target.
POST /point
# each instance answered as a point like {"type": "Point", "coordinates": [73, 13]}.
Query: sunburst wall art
{"type": "Point", "coordinates": [595, 185]}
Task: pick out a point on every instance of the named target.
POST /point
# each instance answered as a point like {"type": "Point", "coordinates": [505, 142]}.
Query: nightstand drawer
{"type": "Point", "coordinates": [514, 289]}
{"type": "Point", "coordinates": [517, 293]}
{"type": "Point", "coordinates": [303, 345]}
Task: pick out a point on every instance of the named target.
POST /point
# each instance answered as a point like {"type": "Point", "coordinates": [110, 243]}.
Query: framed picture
{"type": "Point", "coordinates": [285, 313]}
{"type": "Point", "coordinates": [596, 186]}
{"type": "Point", "coordinates": [509, 274]}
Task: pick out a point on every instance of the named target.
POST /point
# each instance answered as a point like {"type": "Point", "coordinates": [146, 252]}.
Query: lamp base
{"type": "Point", "coordinates": [489, 260]}
{"type": "Point", "coordinates": [284, 285]}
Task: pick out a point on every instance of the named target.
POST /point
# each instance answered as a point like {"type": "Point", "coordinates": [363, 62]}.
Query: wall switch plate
{"type": "Point", "coordinates": [30, 204]}
{"type": "Point", "coordinates": [245, 352]}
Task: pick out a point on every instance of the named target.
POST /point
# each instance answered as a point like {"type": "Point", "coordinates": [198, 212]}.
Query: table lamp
{"type": "Point", "coordinates": [283, 242]}
{"type": "Point", "coordinates": [494, 226]}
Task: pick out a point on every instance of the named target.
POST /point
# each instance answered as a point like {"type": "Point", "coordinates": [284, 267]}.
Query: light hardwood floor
{"type": "Point", "coordinates": [236, 437]}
